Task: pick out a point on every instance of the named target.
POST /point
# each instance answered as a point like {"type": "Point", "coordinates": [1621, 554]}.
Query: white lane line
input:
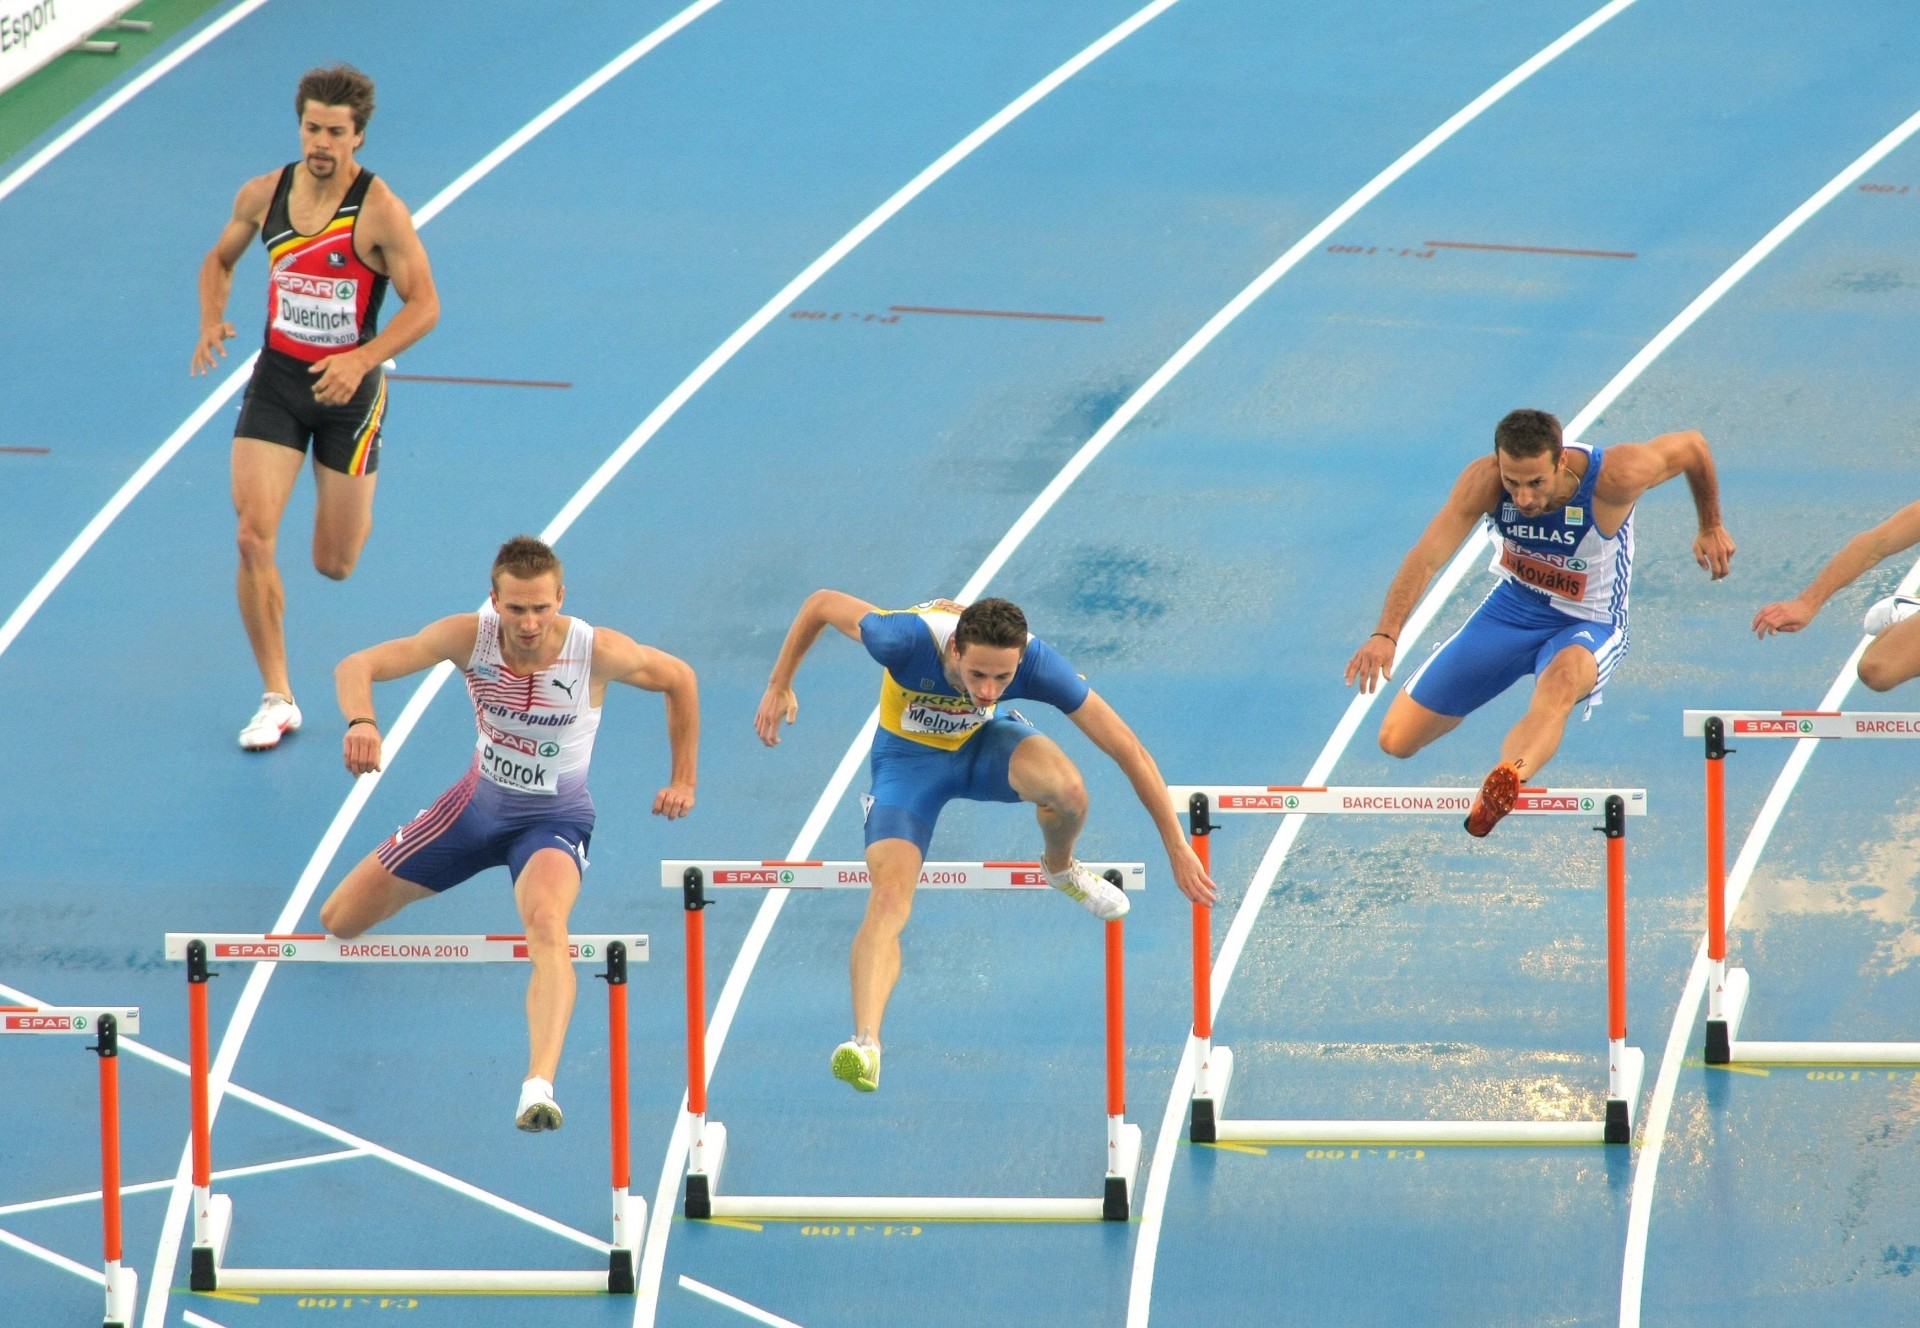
{"type": "Point", "coordinates": [60, 1261]}
{"type": "Point", "coordinates": [1160, 1170]}
{"type": "Point", "coordinates": [653, 1253]}
{"type": "Point", "coordinates": [197, 1320]}
{"type": "Point", "coordinates": [33, 165]}
{"type": "Point", "coordinates": [1686, 1018]}
{"type": "Point", "coordinates": [147, 1186]}
{"type": "Point", "coordinates": [720, 1297]}
{"type": "Point", "coordinates": [1647, 1168]}
{"type": "Point", "coordinates": [236, 377]}
{"type": "Point", "coordinates": [357, 1145]}
{"type": "Point", "coordinates": [166, 1257]}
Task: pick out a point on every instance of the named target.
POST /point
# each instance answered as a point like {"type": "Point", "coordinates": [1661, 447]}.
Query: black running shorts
{"type": "Point", "coordinates": [279, 408]}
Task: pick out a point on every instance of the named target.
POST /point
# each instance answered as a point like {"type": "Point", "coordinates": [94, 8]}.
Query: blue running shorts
{"type": "Point", "coordinates": [1514, 632]}
{"type": "Point", "coordinates": [912, 782]}
{"type": "Point", "coordinates": [476, 824]}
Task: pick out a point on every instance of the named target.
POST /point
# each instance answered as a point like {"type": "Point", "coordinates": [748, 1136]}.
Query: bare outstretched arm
{"type": "Point", "coordinates": [617, 657]}
{"type": "Point", "coordinates": [1897, 533]}
{"type": "Point", "coordinates": [216, 269]}
{"type": "Point", "coordinates": [1100, 722]}
{"type": "Point", "coordinates": [1475, 494]}
{"type": "Point", "coordinates": [823, 609]}
{"type": "Point", "coordinates": [1633, 468]}
{"type": "Point", "coordinates": [449, 639]}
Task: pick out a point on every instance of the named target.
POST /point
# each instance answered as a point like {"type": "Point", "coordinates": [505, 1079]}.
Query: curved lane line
{"type": "Point", "coordinates": [93, 119]}
{"type": "Point", "coordinates": [237, 376]}
{"type": "Point", "coordinates": [1463, 561]}
{"type": "Point", "coordinates": [1647, 1167]}
{"type": "Point", "coordinates": [1160, 1171]}
{"type": "Point", "coordinates": [659, 1225]}
{"type": "Point", "coordinates": [168, 1253]}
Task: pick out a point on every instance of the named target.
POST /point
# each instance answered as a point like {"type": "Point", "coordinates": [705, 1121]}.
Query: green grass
{"type": "Point", "coordinates": [39, 102]}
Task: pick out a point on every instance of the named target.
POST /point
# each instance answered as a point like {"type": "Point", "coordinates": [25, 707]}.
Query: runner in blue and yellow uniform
{"type": "Point", "coordinates": [336, 238]}
{"type": "Point", "coordinates": [1562, 517]}
{"type": "Point", "coordinates": [943, 736]}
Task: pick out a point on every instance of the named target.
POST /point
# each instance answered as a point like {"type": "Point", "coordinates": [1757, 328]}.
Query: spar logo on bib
{"type": "Point", "coordinates": [549, 749]}
{"type": "Point", "coordinates": [318, 311]}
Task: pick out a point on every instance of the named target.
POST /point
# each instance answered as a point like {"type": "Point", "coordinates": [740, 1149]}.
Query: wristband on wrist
{"type": "Point", "coordinates": [1383, 634]}
{"type": "Point", "coordinates": [352, 722]}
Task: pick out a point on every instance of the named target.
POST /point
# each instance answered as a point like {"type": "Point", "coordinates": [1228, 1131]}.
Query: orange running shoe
{"type": "Point", "coordinates": [1497, 792]}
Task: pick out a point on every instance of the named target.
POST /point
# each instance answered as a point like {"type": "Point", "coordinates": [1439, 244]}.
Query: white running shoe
{"type": "Point", "coordinates": [538, 1111]}
{"type": "Point", "coordinates": [1888, 612]}
{"type": "Point", "coordinates": [1093, 892]}
{"type": "Point", "coordinates": [276, 717]}
{"type": "Point", "coordinates": [857, 1063]}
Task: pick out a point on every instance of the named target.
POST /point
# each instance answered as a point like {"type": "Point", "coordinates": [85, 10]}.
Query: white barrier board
{"type": "Point", "coordinates": [853, 875]}
{"type": "Point", "coordinates": [33, 32]}
{"type": "Point", "coordinates": [243, 947]}
{"type": "Point", "coordinates": [1805, 723]}
{"type": "Point", "coordinates": [1391, 801]}
{"type": "Point", "coordinates": [65, 1018]}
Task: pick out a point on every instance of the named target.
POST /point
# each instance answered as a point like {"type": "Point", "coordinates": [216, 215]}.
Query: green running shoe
{"type": "Point", "coordinates": [859, 1064]}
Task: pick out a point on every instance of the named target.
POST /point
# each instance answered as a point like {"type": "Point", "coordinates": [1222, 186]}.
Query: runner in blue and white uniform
{"type": "Point", "coordinates": [536, 680]}
{"type": "Point", "coordinates": [943, 736]}
{"type": "Point", "coordinates": [1562, 518]}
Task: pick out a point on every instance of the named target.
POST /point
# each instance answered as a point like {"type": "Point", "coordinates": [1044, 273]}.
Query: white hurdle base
{"type": "Point", "coordinates": [1208, 1124]}
{"type": "Point", "coordinates": [1726, 1047]}
{"type": "Point", "coordinates": [209, 1272]}
{"type": "Point", "coordinates": [401, 1280]}
{"type": "Point", "coordinates": [123, 1292]}
{"type": "Point", "coordinates": [708, 1154]}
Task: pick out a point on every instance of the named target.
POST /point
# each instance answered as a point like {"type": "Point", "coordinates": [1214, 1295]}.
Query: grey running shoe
{"type": "Point", "coordinates": [1888, 612]}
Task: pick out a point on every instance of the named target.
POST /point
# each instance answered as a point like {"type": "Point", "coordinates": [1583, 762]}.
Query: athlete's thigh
{"type": "Point", "coordinates": [1035, 768]}
{"type": "Point", "coordinates": [911, 784]}
{"type": "Point", "coordinates": [342, 514]}
{"type": "Point", "coordinates": [264, 474]}
{"type": "Point", "coordinates": [546, 886]}
{"type": "Point", "coordinates": [1569, 679]}
{"type": "Point", "coordinates": [370, 894]}
{"type": "Point", "coordinates": [1487, 655]}
{"type": "Point", "coordinates": [1568, 664]}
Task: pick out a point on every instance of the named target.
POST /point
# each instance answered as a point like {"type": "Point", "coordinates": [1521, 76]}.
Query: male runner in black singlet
{"type": "Point", "coordinates": [336, 237]}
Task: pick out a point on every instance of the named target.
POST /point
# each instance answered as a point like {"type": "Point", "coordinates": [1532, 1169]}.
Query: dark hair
{"type": "Point", "coordinates": [990, 622]}
{"type": "Point", "coordinates": [342, 85]}
{"type": "Point", "coordinates": [525, 557]}
{"type": "Point", "coordinates": [1528, 433]}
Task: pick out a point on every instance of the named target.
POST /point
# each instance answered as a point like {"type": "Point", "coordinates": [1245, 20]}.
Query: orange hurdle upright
{"type": "Point", "coordinates": [106, 1023]}
{"type": "Point", "coordinates": [1213, 1065]}
{"type": "Point", "coordinates": [213, 1213]}
{"type": "Point", "coordinates": [707, 1139]}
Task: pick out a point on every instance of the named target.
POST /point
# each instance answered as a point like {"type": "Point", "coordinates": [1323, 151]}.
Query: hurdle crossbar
{"type": "Point", "coordinates": [107, 1022]}
{"type": "Point", "coordinates": [213, 1213]}
{"type": "Point", "coordinates": [1626, 1066]}
{"type": "Point", "coordinates": [1729, 987]}
{"type": "Point", "coordinates": [706, 1152]}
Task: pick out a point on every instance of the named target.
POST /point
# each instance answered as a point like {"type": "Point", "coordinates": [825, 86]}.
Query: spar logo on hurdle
{"type": "Point", "coordinates": [46, 1023]}
{"type": "Point", "coordinates": [1787, 727]}
{"type": "Point", "coordinates": [253, 950]}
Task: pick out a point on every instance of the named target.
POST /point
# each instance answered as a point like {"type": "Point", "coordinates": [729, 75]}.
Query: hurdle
{"type": "Point", "coordinates": [213, 1213]}
{"type": "Point", "coordinates": [708, 1138]}
{"type": "Point", "coordinates": [1626, 1066]}
{"type": "Point", "coordinates": [107, 1023]}
{"type": "Point", "coordinates": [1728, 988]}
